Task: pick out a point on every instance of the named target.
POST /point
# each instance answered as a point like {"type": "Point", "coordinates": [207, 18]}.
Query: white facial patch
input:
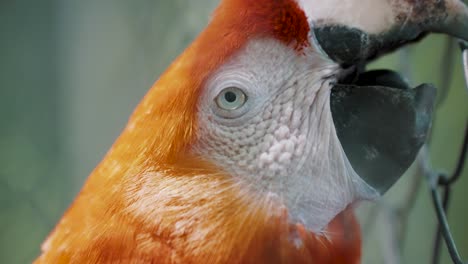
{"type": "Point", "coordinates": [372, 16]}
{"type": "Point", "coordinates": [282, 142]}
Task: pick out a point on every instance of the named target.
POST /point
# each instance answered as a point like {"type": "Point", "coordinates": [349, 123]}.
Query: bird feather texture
{"type": "Point", "coordinates": [151, 201]}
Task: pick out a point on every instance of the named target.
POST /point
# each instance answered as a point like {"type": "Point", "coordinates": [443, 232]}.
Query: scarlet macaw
{"type": "Point", "coordinates": [257, 141]}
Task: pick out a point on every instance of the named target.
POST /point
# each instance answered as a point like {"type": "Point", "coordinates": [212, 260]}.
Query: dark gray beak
{"type": "Point", "coordinates": [382, 123]}
{"type": "Point", "coordinates": [380, 120]}
{"type": "Point", "coordinates": [412, 21]}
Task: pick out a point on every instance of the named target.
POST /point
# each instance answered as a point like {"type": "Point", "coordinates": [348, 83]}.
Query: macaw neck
{"type": "Point", "coordinates": [170, 215]}
{"type": "Point", "coordinates": [212, 218]}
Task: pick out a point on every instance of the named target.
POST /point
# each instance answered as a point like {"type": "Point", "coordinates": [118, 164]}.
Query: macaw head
{"type": "Point", "coordinates": [273, 94]}
{"type": "Point", "coordinates": [269, 114]}
{"type": "Point", "coordinates": [291, 114]}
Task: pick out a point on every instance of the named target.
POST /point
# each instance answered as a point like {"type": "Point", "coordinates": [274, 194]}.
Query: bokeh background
{"type": "Point", "coordinates": [72, 71]}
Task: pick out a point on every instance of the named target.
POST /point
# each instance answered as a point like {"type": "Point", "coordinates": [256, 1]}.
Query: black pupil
{"type": "Point", "coordinates": [230, 97]}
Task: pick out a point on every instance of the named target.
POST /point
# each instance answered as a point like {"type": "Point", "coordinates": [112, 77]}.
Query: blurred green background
{"type": "Point", "coordinates": [72, 71]}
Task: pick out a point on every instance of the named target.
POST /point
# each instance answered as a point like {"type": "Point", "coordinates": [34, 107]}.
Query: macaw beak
{"type": "Point", "coordinates": [453, 22]}
{"type": "Point", "coordinates": [382, 124]}
{"type": "Point", "coordinates": [405, 22]}
{"type": "Point", "coordinates": [380, 120]}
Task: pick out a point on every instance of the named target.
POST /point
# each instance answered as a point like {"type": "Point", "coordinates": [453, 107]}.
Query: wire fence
{"type": "Point", "coordinates": [440, 183]}
{"type": "Point", "coordinates": [445, 182]}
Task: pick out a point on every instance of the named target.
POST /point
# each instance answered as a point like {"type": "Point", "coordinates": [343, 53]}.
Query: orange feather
{"type": "Point", "coordinates": [150, 201]}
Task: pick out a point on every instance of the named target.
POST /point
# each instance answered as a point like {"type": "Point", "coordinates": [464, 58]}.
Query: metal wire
{"type": "Point", "coordinates": [441, 180]}
{"type": "Point", "coordinates": [440, 184]}
{"type": "Point", "coordinates": [464, 48]}
{"type": "Point", "coordinates": [441, 207]}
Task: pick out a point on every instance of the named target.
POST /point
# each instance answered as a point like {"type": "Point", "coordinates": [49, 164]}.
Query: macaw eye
{"type": "Point", "coordinates": [231, 98]}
